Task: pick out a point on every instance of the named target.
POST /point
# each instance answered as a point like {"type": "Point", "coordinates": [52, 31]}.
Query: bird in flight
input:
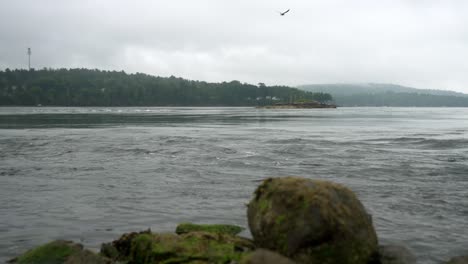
{"type": "Point", "coordinates": [284, 13]}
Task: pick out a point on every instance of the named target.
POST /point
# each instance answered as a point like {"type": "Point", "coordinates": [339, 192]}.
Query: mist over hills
{"type": "Point", "coordinates": [378, 94]}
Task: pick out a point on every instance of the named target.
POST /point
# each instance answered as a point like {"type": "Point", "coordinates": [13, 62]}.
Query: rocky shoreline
{"type": "Point", "coordinates": [292, 220]}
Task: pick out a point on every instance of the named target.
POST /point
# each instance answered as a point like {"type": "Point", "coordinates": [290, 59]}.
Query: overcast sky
{"type": "Point", "coordinates": [419, 43]}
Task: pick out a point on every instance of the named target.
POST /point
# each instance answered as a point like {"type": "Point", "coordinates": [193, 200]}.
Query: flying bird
{"type": "Point", "coordinates": [284, 13]}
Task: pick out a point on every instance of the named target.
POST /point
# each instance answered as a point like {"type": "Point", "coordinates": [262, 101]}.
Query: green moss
{"type": "Point", "coordinates": [280, 219]}
{"type": "Point", "coordinates": [263, 205]}
{"type": "Point", "coordinates": [141, 249]}
{"type": "Point", "coordinates": [55, 252]}
{"type": "Point", "coordinates": [193, 247]}
{"type": "Point", "coordinates": [218, 229]}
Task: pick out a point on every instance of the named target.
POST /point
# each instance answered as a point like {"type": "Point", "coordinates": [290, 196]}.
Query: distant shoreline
{"type": "Point", "coordinates": [308, 105]}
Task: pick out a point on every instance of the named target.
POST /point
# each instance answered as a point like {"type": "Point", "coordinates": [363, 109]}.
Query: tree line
{"type": "Point", "coordinates": [374, 94]}
{"type": "Point", "coordinates": [93, 87]}
{"type": "Point", "coordinates": [401, 100]}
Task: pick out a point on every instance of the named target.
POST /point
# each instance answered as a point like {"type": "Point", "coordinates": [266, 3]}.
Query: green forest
{"type": "Point", "coordinates": [92, 87]}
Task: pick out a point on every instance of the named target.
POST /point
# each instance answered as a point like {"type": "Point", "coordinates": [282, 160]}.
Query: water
{"type": "Point", "coordinates": [91, 174]}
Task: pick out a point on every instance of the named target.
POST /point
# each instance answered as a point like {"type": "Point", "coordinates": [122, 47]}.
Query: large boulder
{"type": "Point", "coordinates": [312, 221]}
{"type": "Point", "coordinates": [60, 252]}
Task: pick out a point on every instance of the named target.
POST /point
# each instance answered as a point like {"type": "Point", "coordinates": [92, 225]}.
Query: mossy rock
{"type": "Point", "coordinates": [119, 250]}
{"type": "Point", "coordinates": [58, 252]}
{"type": "Point", "coordinates": [311, 221]}
{"type": "Point", "coordinates": [193, 247]}
{"type": "Point", "coordinates": [220, 229]}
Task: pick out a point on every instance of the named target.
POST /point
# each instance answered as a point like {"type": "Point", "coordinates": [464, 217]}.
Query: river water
{"type": "Point", "coordinates": [91, 174]}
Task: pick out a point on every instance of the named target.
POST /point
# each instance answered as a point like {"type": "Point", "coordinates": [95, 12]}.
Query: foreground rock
{"type": "Point", "coordinates": [120, 249]}
{"type": "Point", "coordinates": [292, 220]}
{"type": "Point", "coordinates": [311, 221]}
{"type": "Point", "coordinates": [60, 251]}
{"type": "Point", "coordinates": [193, 247]}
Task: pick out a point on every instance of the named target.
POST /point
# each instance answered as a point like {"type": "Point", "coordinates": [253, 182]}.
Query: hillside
{"type": "Point", "coordinates": [373, 94]}
{"type": "Point", "coordinates": [85, 87]}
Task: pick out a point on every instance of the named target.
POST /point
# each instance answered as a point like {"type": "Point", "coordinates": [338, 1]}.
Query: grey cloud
{"type": "Point", "coordinates": [418, 43]}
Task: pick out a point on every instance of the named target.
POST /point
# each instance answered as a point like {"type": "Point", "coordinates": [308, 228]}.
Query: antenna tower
{"type": "Point", "coordinates": [29, 58]}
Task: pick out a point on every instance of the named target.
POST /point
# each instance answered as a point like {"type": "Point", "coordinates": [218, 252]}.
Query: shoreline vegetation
{"type": "Point", "coordinates": [93, 87]}
{"type": "Point", "coordinates": [292, 220]}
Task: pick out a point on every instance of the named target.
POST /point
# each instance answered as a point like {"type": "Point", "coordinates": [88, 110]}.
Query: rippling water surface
{"type": "Point", "coordinates": [90, 174]}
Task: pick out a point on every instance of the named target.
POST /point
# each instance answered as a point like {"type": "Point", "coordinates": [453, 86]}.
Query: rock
{"type": "Point", "coordinates": [220, 229]}
{"type": "Point", "coordinates": [60, 251]}
{"type": "Point", "coordinates": [87, 257]}
{"type": "Point", "coordinates": [458, 260]}
{"type": "Point", "coordinates": [110, 251]}
{"type": "Point", "coordinates": [202, 247]}
{"type": "Point", "coordinates": [265, 256]}
{"type": "Point", "coordinates": [119, 250]}
{"type": "Point", "coordinates": [312, 221]}
{"type": "Point", "coordinates": [192, 247]}
{"type": "Point", "coordinates": [395, 254]}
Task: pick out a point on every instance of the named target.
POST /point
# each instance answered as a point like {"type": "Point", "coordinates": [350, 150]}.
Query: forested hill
{"type": "Point", "coordinates": [84, 87]}
{"type": "Point", "coordinates": [374, 94]}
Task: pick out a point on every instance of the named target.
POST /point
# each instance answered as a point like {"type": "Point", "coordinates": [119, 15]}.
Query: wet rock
{"type": "Point", "coordinates": [395, 254]}
{"type": "Point", "coordinates": [311, 221]}
{"type": "Point", "coordinates": [220, 229]}
{"type": "Point", "coordinates": [60, 251]}
{"type": "Point", "coordinates": [458, 260]}
{"type": "Point", "coordinates": [110, 251]}
{"type": "Point", "coordinates": [119, 250]}
{"type": "Point", "coordinates": [264, 256]}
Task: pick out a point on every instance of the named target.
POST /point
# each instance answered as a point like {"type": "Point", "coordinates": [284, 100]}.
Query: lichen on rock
{"type": "Point", "coordinates": [311, 221]}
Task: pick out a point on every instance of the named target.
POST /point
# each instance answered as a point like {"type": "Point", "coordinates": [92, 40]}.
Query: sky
{"type": "Point", "coordinates": [418, 43]}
